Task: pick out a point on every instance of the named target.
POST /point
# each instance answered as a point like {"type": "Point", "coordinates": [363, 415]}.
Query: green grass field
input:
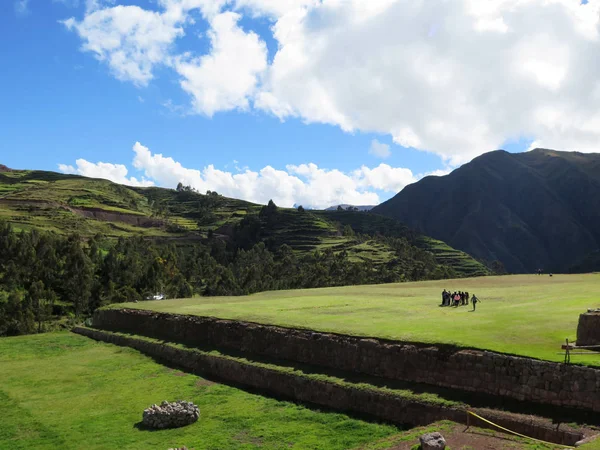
{"type": "Point", "coordinates": [526, 315]}
{"type": "Point", "coordinates": [64, 391]}
{"type": "Point", "coordinates": [61, 390]}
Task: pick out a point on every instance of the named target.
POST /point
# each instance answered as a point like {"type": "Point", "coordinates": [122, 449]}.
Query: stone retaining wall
{"type": "Point", "coordinates": [485, 372]}
{"type": "Point", "coordinates": [378, 404]}
{"type": "Point", "coordinates": [588, 329]}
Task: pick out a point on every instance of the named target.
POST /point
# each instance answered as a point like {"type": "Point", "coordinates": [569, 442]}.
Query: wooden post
{"type": "Point", "coordinates": [567, 353]}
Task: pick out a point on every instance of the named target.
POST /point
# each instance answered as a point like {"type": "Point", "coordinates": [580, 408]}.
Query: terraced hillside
{"type": "Point", "coordinates": [375, 224]}
{"type": "Point", "coordinates": [68, 204]}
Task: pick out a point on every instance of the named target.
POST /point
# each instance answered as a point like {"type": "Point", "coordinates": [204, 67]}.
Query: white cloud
{"type": "Point", "coordinates": [131, 40]}
{"type": "Point", "coordinates": [455, 78]}
{"type": "Point", "coordinates": [113, 172]}
{"type": "Point", "coordinates": [305, 184]}
{"type": "Point", "coordinates": [379, 149]}
{"type": "Point", "coordinates": [273, 8]}
{"type": "Point", "coordinates": [226, 77]}
{"type": "Point", "coordinates": [21, 7]}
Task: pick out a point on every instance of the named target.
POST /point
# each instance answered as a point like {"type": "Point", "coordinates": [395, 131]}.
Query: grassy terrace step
{"type": "Point", "coordinates": [408, 391]}
{"type": "Point", "coordinates": [525, 315]}
{"type": "Point", "coordinates": [397, 402]}
{"type": "Point", "coordinates": [65, 391]}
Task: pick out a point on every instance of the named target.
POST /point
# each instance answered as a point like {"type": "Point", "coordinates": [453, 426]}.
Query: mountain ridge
{"type": "Point", "coordinates": [531, 210]}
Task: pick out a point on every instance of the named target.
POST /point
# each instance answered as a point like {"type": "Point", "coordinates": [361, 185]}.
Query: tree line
{"type": "Point", "coordinates": [46, 277]}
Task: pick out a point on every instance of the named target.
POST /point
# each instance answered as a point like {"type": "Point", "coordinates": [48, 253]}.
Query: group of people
{"type": "Point", "coordinates": [458, 299]}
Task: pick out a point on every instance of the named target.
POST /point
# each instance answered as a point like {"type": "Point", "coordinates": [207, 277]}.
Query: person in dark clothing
{"type": "Point", "coordinates": [462, 298]}
{"type": "Point", "coordinates": [466, 298]}
{"type": "Point", "coordinates": [444, 294]}
{"type": "Point", "coordinates": [474, 300]}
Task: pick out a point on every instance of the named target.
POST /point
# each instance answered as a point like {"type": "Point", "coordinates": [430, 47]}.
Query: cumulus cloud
{"type": "Point", "coordinates": [453, 78]}
{"type": "Point", "coordinates": [305, 184]}
{"type": "Point", "coordinates": [379, 149]}
{"type": "Point", "coordinates": [113, 172]}
{"type": "Point", "coordinates": [226, 77]}
{"type": "Point", "coordinates": [131, 40]}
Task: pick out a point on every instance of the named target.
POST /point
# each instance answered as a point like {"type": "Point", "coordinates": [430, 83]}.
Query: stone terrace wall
{"type": "Point", "coordinates": [470, 370]}
{"type": "Point", "coordinates": [381, 405]}
{"type": "Point", "coordinates": [588, 329]}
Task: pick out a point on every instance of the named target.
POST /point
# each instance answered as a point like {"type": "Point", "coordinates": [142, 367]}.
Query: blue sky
{"type": "Point", "coordinates": [67, 97]}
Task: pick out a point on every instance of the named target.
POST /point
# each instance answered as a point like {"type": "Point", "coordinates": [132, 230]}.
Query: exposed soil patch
{"type": "Point", "coordinates": [245, 438]}
{"type": "Point", "coordinates": [3, 168]}
{"type": "Point", "coordinates": [458, 437]}
{"type": "Point", "coordinates": [202, 382]}
{"type": "Point", "coordinates": [92, 213]}
{"type": "Point", "coordinates": [177, 373]}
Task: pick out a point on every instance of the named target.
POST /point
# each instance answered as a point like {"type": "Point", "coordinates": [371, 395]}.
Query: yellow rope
{"type": "Point", "coordinates": [518, 434]}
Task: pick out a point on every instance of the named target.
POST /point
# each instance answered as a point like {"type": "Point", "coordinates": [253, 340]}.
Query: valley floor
{"type": "Point", "coordinates": [527, 315]}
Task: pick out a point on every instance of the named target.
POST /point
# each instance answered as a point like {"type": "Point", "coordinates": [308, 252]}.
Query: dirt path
{"type": "Point", "coordinates": [458, 437]}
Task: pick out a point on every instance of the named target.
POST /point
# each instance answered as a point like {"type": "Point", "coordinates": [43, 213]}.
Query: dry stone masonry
{"type": "Point", "coordinates": [588, 329]}
{"type": "Point", "coordinates": [379, 404]}
{"type": "Point", "coordinates": [170, 415]}
{"type": "Point", "coordinates": [491, 373]}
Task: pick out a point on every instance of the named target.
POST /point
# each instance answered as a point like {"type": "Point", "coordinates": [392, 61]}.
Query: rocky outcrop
{"type": "Point", "coordinates": [515, 377]}
{"type": "Point", "coordinates": [170, 415]}
{"type": "Point", "coordinates": [432, 441]}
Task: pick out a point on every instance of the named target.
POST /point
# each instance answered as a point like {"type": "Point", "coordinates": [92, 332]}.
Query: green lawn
{"type": "Point", "coordinates": [64, 391]}
{"type": "Point", "coordinates": [523, 314]}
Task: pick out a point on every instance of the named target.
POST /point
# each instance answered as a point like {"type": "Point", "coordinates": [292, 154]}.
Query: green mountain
{"type": "Point", "coordinates": [67, 204]}
{"type": "Point", "coordinates": [539, 209]}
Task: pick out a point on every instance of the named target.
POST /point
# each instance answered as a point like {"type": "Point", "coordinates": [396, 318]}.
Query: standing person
{"type": "Point", "coordinates": [444, 293]}
{"type": "Point", "coordinates": [474, 300]}
{"type": "Point", "coordinates": [456, 299]}
{"type": "Point", "coordinates": [467, 298]}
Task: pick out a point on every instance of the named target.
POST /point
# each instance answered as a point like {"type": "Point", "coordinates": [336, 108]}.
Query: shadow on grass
{"type": "Point", "coordinates": [140, 426]}
{"type": "Point", "coordinates": [558, 415]}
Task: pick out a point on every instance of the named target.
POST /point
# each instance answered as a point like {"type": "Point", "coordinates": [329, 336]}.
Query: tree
{"type": "Point", "coordinates": [78, 275]}
{"type": "Point", "coordinates": [41, 301]}
{"type": "Point", "coordinates": [498, 268]}
{"type": "Point", "coordinates": [340, 208]}
{"type": "Point", "coordinates": [179, 187]}
{"type": "Point", "coordinates": [300, 209]}
{"type": "Point", "coordinates": [348, 231]}
{"type": "Point", "coordinates": [269, 211]}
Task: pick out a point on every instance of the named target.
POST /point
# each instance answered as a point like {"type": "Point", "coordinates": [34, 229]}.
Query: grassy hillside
{"type": "Point", "coordinates": [67, 204]}
{"type": "Point", "coordinates": [65, 391]}
{"type": "Point", "coordinates": [525, 314]}
{"type": "Point", "coordinates": [375, 224]}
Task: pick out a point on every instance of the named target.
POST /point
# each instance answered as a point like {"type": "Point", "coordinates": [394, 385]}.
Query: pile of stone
{"type": "Point", "coordinates": [170, 415]}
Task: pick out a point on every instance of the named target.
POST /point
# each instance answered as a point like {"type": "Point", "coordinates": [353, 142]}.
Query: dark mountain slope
{"type": "Point", "coordinates": [539, 209]}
